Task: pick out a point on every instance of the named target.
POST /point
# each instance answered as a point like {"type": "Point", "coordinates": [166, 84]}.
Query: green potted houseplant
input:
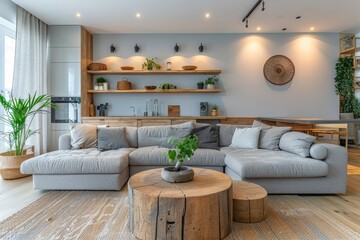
{"type": "Point", "coordinates": [18, 116]}
{"type": "Point", "coordinates": [214, 110]}
{"type": "Point", "coordinates": [211, 82]}
{"type": "Point", "coordinates": [184, 148]}
{"type": "Point", "coordinates": [200, 85]}
{"type": "Point", "coordinates": [101, 84]}
{"type": "Point", "coordinates": [150, 64]}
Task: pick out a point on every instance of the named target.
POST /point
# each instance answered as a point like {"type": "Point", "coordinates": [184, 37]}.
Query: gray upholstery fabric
{"type": "Point", "coordinates": [270, 136]}
{"type": "Point", "coordinates": [81, 181]}
{"type": "Point", "coordinates": [226, 133]}
{"type": "Point", "coordinates": [261, 163]}
{"type": "Point", "coordinates": [132, 136]}
{"type": "Point", "coordinates": [154, 155]}
{"type": "Point", "coordinates": [246, 138]}
{"type": "Point", "coordinates": [297, 142]}
{"type": "Point", "coordinates": [318, 151]}
{"type": "Point", "coordinates": [137, 169]}
{"type": "Point", "coordinates": [83, 136]}
{"type": "Point", "coordinates": [81, 161]}
{"type": "Point", "coordinates": [334, 182]}
{"type": "Point", "coordinates": [208, 136]}
{"type": "Point", "coordinates": [111, 138]}
{"type": "Point", "coordinates": [176, 133]}
{"type": "Point", "coordinates": [65, 142]}
{"type": "Point", "coordinates": [157, 135]}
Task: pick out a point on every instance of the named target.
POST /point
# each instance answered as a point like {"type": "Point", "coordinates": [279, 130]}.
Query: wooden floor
{"type": "Point", "coordinates": [16, 194]}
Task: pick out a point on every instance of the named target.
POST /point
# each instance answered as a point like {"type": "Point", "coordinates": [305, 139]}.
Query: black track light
{"type": "Point", "coordinates": [176, 48]}
{"type": "Point", "coordinates": [263, 5]}
{"type": "Point", "coordinates": [136, 48]}
{"type": "Point", "coordinates": [112, 48]}
{"type": "Point", "coordinates": [201, 48]}
{"type": "Point", "coordinates": [247, 23]}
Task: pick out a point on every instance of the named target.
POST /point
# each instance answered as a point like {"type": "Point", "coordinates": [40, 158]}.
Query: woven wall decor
{"type": "Point", "coordinates": [279, 70]}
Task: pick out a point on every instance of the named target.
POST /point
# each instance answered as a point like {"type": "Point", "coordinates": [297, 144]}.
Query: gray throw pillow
{"type": "Point", "coordinates": [112, 138]}
{"type": "Point", "coordinates": [318, 151]}
{"type": "Point", "coordinates": [226, 133]}
{"type": "Point", "coordinates": [176, 133]}
{"type": "Point", "coordinates": [297, 143]}
{"type": "Point", "coordinates": [83, 136]}
{"type": "Point", "coordinates": [270, 135]}
{"type": "Point", "coordinates": [208, 136]}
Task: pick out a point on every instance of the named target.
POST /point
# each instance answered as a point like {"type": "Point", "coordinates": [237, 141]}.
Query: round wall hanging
{"type": "Point", "coordinates": [279, 70]}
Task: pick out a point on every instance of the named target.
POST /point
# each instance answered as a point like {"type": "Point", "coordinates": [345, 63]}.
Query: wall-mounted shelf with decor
{"type": "Point", "coordinates": [158, 91]}
{"type": "Point", "coordinates": [155, 72]}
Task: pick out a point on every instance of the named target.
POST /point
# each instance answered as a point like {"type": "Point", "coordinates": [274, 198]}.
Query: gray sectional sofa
{"type": "Point", "coordinates": [277, 171]}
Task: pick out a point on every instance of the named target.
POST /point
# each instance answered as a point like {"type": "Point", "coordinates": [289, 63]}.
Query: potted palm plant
{"type": "Point", "coordinates": [18, 117]}
{"type": "Point", "coordinates": [184, 149]}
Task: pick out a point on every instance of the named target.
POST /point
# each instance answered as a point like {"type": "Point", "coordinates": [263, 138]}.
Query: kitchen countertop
{"type": "Point", "coordinates": [154, 118]}
{"type": "Point", "coordinates": [310, 120]}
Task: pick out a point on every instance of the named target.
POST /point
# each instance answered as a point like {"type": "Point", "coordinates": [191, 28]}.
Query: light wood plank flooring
{"type": "Point", "coordinates": [16, 194]}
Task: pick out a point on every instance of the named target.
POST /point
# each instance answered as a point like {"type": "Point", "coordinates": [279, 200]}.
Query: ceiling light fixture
{"type": "Point", "coordinates": [201, 48]}
{"type": "Point", "coordinates": [298, 17]}
{"type": "Point", "coordinates": [136, 48]}
{"type": "Point", "coordinates": [207, 15]}
{"type": "Point", "coordinates": [284, 29]}
{"type": "Point", "coordinates": [112, 48]}
{"type": "Point", "coordinates": [246, 18]}
{"type": "Point", "coordinates": [138, 15]}
{"type": "Point", "coordinates": [176, 48]}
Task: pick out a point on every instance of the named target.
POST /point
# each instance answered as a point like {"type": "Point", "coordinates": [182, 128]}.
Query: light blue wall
{"type": "Point", "coordinates": [241, 57]}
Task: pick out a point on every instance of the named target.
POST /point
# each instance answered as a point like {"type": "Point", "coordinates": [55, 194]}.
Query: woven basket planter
{"type": "Point", "coordinates": [10, 164]}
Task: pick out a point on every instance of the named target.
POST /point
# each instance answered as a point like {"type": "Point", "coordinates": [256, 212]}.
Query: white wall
{"type": "Point", "coordinates": [8, 11]}
{"type": "Point", "coordinates": [241, 58]}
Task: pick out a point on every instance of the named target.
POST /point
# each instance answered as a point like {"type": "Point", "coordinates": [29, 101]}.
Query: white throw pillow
{"type": "Point", "coordinates": [318, 151]}
{"type": "Point", "coordinates": [83, 136]}
{"type": "Point", "coordinates": [246, 138]}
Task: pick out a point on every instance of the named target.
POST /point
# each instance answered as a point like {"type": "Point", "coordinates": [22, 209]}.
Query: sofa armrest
{"type": "Point", "coordinates": [337, 160]}
{"type": "Point", "coordinates": [65, 142]}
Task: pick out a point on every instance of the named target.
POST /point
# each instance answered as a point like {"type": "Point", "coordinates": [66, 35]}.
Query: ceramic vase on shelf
{"type": "Point", "coordinates": [210, 86]}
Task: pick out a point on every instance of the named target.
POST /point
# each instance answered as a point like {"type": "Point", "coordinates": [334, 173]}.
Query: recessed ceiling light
{"type": "Point", "coordinates": [298, 17]}
{"type": "Point", "coordinates": [207, 15]}
{"type": "Point", "coordinates": [312, 29]}
{"type": "Point", "coordinates": [258, 28]}
{"type": "Point", "coordinates": [138, 15]}
{"type": "Point", "coordinates": [78, 15]}
{"type": "Point", "coordinates": [284, 29]}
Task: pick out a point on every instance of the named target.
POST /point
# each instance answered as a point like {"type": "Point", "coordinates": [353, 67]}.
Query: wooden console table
{"type": "Point", "coordinates": [198, 209]}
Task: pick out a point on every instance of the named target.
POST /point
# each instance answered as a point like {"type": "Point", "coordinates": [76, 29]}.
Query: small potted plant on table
{"type": "Point", "coordinates": [214, 110]}
{"type": "Point", "coordinates": [184, 149]}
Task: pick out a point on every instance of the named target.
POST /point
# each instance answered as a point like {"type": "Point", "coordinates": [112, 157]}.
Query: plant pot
{"type": "Point", "coordinates": [185, 174]}
{"type": "Point", "coordinates": [214, 112]}
{"type": "Point", "coordinates": [200, 85]}
{"type": "Point", "coordinates": [10, 167]}
{"type": "Point", "coordinates": [210, 86]}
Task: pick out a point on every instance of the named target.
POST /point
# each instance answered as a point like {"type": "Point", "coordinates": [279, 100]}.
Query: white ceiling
{"type": "Point", "coordinates": [188, 16]}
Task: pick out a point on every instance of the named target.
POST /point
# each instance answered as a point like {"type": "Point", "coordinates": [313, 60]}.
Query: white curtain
{"type": "Point", "coordinates": [30, 70]}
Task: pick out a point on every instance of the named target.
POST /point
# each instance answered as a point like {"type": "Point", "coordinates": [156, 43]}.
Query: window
{"type": "Point", "coordinates": [7, 56]}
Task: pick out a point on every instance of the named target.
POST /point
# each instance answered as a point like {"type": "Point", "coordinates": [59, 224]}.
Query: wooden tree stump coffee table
{"type": "Point", "coordinates": [249, 202]}
{"type": "Point", "coordinates": [198, 209]}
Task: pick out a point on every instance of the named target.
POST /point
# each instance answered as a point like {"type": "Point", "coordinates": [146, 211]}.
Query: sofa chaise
{"type": "Point", "coordinates": [278, 171]}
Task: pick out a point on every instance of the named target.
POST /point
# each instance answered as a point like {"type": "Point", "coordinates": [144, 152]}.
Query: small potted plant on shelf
{"type": "Point", "coordinates": [101, 84]}
{"type": "Point", "coordinates": [200, 85]}
{"type": "Point", "coordinates": [214, 110]}
{"type": "Point", "coordinates": [18, 116]}
{"type": "Point", "coordinates": [184, 149]}
{"type": "Point", "coordinates": [150, 64]}
{"type": "Point", "coordinates": [167, 86]}
{"type": "Point", "coordinates": [211, 82]}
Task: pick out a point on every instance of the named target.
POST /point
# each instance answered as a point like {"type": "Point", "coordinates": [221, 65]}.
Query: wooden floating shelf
{"type": "Point", "coordinates": [155, 72]}
{"type": "Point", "coordinates": [158, 91]}
{"type": "Point", "coordinates": [350, 50]}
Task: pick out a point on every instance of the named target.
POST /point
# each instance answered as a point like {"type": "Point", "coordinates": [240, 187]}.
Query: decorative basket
{"type": "Point", "coordinates": [124, 85]}
{"type": "Point", "coordinates": [97, 66]}
{"type": "Point", "coordinates": [10, 164]}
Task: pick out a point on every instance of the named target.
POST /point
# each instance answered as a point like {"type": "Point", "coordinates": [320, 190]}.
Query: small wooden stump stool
{"type": "Point", "coordinates": [198, 209]}
{"type": "Point", "coordinates": [250, 202]}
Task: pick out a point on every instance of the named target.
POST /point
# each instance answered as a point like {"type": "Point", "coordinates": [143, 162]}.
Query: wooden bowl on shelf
{"type": "Point", "coordinates": [189, 67]}
{"type": "Point", "coordinates": [150, 87]}
{"type": "Point", "coordinates": [127, 68]}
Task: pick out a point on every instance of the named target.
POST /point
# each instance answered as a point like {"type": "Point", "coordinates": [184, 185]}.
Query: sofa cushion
{"type": "Point", "coordinates": [270, 135]}
{"type": "Point", "coordinates": [157, 135]}
{"type": "Point", "coordinates": [153, 155]}
{"type": "Point", "coordinates": [246, 138]}
{"type": "Point", "coordinates": [226, 133]}
{"type": "Point", "coordinates": [111, 138]}
{"type": "Point", "coordinates": [81, 161]}
{"type": "Point", "coordinates": [297, 142]}
{"type": "Point", "coordinates": [132, 136]}
{"type": "Point", "coordinates": [261, 163]}
{"type": "Point", "coordinates": [83, 136]}
{"type": "Point", "coordinates": [208, 136]}
{"type": "Point", "coordinates": [318, 151]}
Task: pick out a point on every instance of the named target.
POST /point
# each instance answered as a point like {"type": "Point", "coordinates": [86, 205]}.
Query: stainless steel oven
{"type": "Point", "coordinates": [67, 109]}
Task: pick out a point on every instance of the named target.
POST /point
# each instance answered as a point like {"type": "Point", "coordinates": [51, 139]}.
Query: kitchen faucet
{"type": "Point", "coordinates": [156, 108]}
{"type": "Point", "coordinates": [148, 108]}
{"type": "Point", "coordinates": [133, 108]}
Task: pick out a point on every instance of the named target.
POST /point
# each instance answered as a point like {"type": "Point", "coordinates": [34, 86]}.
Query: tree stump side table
{"type": "Point", "coordinates": [198, 209]}
{"type": "Point", "coordinates": [250, 202]}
